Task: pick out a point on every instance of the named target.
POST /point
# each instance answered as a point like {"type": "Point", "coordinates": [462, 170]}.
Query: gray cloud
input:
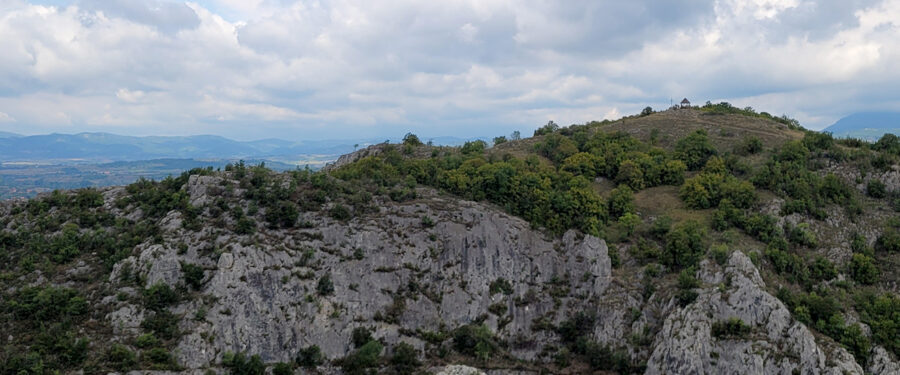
{"type": "Point", "coordinates": [254, 69]}
{"type": "Point", "coordinates": [167, 16]}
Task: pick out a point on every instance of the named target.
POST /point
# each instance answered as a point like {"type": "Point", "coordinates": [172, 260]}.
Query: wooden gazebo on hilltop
{"type": "Point", "coordinates": [685, 103]}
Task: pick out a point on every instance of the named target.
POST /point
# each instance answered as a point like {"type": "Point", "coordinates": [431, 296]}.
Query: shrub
{"type": "Point", "coordinates": [159, 296]}
{"type": "Point", "coordinates": [245, 225]}
{"type": "Point", "coordinates": [411, 139]}
{"type": "Point", "coordinates": [719, 253]}
{"type": "Point", "coordinates": [163, 324]}
{"type": "Point", "coordinates": [556, 147]}
{"type": "Point", "coordinates": [621, 201]}
{"type": "Point", "coordinates": [360, 336]}
{"type": "Point", "coordinates": [876, 189]}
{"type": "Point", "coordinates": [687, 282]}
{"type": "Point", "coordinates": [325, 287]}
{"type": "Point", "coordinates": [282, 368]}
{"type": "Point", "coordinates": [748, 146]}
{"type": "Point", "coordinates": [475, 340]}
{"type": "Point", "coordinates": [159, 358]}
{"type": "Point", "coordinates": [801, 234]}
{"type": "Point", "coordinates": [695, 149]}
{"type": "Point", "coordinates": [339, 212]}
{"type": "Point", "coordinates": [193, 275]}
{"type": "Point", "coordinates": [889, 241]}
{"type": "Point", "coordinates": [120, 358]}
{"type": "Point", "coordinates": [146, 340]}
{"type": "Point", "coordinates": [863, 269]}
{"type": "Point", "coordinates": [362, 359]}
{"type": "Point", "coordinates": [282, 215]}
{"type": "Point", "coordinates": [880, 312]}
{"type": "Point", "coordinates": [499, 140]}
{"type": "Point", "coordinates": [731, 328]}
{"type": "Point", "coordinates": [310, 357]}
{"type": "Point", "coordinates": [39, 304]}
{"type": "Point", "coordinates": [501, 285]}
{"type": "Point", "coordinates": [239, 364]}
{"type": "Point", "coordinates": [661, 227]}
{"type": "Point", "coordinates": [475, 147]}
{"type": "Point", "coordinates": [405, 359]}
{"type": "Point", "coordinates": [684, 244]}
{"type": "Point", "coordinates": [551, 127]}
{"type": "Point", "coordinates": [823, 269]}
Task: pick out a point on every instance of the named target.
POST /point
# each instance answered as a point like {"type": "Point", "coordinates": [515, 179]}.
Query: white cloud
{"type": "Point", "coordinates": [6, 118]}
{"type": "Point", "coordinates": [265, 68]}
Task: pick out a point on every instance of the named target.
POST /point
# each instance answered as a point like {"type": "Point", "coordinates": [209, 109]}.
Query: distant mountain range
{"type": "Point", "coordinates": [866, 125]}
{"type": "Point", "coordinates": [105, 147]}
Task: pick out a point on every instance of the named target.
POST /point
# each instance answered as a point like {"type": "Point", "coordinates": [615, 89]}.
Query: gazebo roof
{"type": "Point", "coordinates": [685, 101]}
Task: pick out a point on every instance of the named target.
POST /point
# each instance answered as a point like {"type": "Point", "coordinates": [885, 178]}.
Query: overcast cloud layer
{"type": "Point", "coordinates": [251, 69]}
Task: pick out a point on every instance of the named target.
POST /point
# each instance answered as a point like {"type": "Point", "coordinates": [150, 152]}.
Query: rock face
{"type": "Point", "coordinates": [422, 268]}
{"type": "Point", "coordinates": [413, 267]}
{"type": "Point", "coordinates": [777, 343]}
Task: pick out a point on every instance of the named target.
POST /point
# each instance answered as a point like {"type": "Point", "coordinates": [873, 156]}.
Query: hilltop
{"type": "Point", "coordinates": [710, 239]}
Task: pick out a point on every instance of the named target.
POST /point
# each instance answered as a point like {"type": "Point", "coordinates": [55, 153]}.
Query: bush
{"type": "Point", "coordinates": [146, 341]}
{"type": "Point", "coordinates": [159, 296]}
{"type": "Point", "coordinates": [731, 328]}
{"type": "Point", "coordinates": [719, 253]}
{"type": "Point", "coordinates": [41, 305]}
{"type": "Point", "coordinates": [863, 269]}
{"type": "Point", "coordinates": [193, 275]}
{"type": "Point", "coordinates": [339, 212]}
{"type": "Point", "coordinates": [888, 241]}
{"type": "Point", "coordinates": [163, 324]}
{"type": "Point", "coordinates": [120, 358]}
{"type": "Point", "coordinates": [364, 358]}
{"type": "Point", "coordinates": [475, 340]}
{"type": "Point", "coordinates": [621, 201]}
{"type": "Point", "coordinates": [501, 285]}
{"type": "Point", "coordinates": [684, 244]}
{"type": "Point", "coordinates": [876, 189]}
{"type": "Point", "coordinates": [159, 358]}
{"type": "Point", "coordinates": [360, 336]}
{"type": "Point", "coordinates": [325, 287]}
{"type": "Point", "coordinates": [411, 139]}
{"type": "Point", "coordinates": [880, 312]}
{"type": "Point", "coordinates": [695, 149]}
{"type": "Point", "coordinates": [551, 127]}
{"type": "Point", "coordinates": [245, 225]}
{"type": "Point", "coordinates": [801, 234]}
{"type": "Point", "coordinates": [282, 368]}
{"type": "Point", "coordinates": [310, 357]}
{"type": "Point", "coordinates": [282, 215]}
{"type": "Point", "coordinates": [556, 147]}
{"type": "Point", "coordinates": [748, 146]}
{"type": "Point", "coordinates": [239, 364]}
{"type": "Point", "coordinates": [687, 282]}
{"type": "Point", "coordinates": [405, 359]}
{"type": "Point", "coordinates": [823, 269]}
{"type": "Point", "coordinates": [475, 147]}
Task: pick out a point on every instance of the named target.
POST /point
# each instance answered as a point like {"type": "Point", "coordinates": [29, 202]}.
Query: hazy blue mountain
{"type": "Point", "coordinates": [9, 135]}
{"type": "Point", "coordinates": [866, 125]}
{"type": "Point", "coordinates": [105, 147]}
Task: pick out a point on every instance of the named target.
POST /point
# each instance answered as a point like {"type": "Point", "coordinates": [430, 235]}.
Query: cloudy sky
{"type": "Point", "coordinates": [251, 69]}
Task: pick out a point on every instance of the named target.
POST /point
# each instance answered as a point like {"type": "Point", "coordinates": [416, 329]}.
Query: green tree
{"type": "Point", "coordinates": [685, 244]}
{"type": "Point", "coordinates": [695, 149]}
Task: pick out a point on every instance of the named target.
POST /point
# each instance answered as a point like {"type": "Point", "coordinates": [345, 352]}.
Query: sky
{"type": "Point", "coordinates": [349, 69]}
